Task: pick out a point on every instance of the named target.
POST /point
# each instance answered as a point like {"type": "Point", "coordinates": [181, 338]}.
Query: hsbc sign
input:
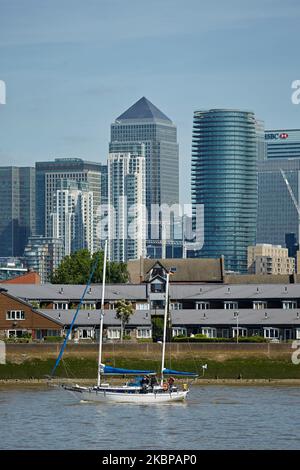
{"type": "Point", "coordinates": [276, 136]}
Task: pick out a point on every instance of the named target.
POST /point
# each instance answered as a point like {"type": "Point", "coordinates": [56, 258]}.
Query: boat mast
{"type": "Point", "coordinates": [101, 316]}
{"type": "Point", "coordinates": [165, 329]}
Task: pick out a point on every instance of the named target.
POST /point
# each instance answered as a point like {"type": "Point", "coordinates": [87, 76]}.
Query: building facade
{"type": "Point", "coordinates": [282, 143]}
{"type": "Point", "coordinates": [227, 145]}
{"type": "Point", "coordinates": [144, 123]}
{"type": "Point", "coordinates": [43, 255]}
{"type": "Point", "coordinates": [269, 259]}
{"type": "Point", "coordinates": [73, 216]}
{"type": "Point", "coordinates": [277, 213]}
{"type": "Point", "coordinates": [76, 169]}
{"type": "Point", "coordinates": [127, 197]}
{"type": "Point", "coordinates": [17, 207]}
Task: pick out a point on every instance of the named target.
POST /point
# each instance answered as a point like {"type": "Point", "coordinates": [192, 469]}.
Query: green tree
{"type": "Point", "coordinates": [124, 310]}
{"type": "Point", "coordinates": [76, 269]}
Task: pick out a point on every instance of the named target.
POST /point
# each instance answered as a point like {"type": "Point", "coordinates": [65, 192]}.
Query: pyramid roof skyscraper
{"type": "Point", "coordinates": [143, 109]}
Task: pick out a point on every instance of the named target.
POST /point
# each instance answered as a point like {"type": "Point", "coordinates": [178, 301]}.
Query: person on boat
{"type": "Point", "coordinates": [145, 383]}
{"type": "Point", "coordinates": [153, 381]}
{"type": "Point", "coordinates": [171, 381]}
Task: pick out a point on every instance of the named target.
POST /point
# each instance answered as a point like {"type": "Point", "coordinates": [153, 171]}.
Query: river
{"type": "Point", "coordinates": [214, 417]}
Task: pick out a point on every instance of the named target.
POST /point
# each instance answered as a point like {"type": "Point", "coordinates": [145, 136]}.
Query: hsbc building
{"type": "Point", "coordinates": [282, 143]}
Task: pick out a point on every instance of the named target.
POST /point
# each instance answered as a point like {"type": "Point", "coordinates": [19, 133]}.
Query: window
{"type": "Point", "coordinates": [225, 333]}
{"type": "Point", "coordinates": [209, 332]}
{"type": "Point", "coordinates": [202, 305]}
{"type": "Point", "coordinates": [86, 333]}
{"type": "Point", "coordinates": [157, 287]}
{"type": "Point", "coordinates": [288, 304]}
{"type": "Point", "coordinates": [15, 333]}
{"type": "Point", "coordinates": [15, 315]}
{"type": "Point", "coordinates": [144, 333]}
{"type": "Point", "coordinates": [259, 305]}
{"type": "Point", "coordinates": [60, 306]}
{"type": "Point", "coordinates": [242, 331]}
{"type": "Point", "coordinates": [230, 305]}
{"type": "Point", "coordinates": [176, 306]}
{"type": "Point", "coordinates": [113, 333]}
{"type": "Point", "coordinates": [297, 333]}
{"type": "Point", "coordinates": [88, 306]}
{"type": "Point", "coordinates": [179, 331]}
{"type": "Point", "coordinates": [270, 333]}
{"type": "Point", "coordinates": [142, 306]}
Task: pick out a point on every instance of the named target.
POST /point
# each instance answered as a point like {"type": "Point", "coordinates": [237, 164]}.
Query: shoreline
{"type": "Point", "coordinates": [198, 382]}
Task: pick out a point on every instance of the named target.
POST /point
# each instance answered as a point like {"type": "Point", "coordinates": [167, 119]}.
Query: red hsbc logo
{"type": "Point", "coordinates": [283, 135]}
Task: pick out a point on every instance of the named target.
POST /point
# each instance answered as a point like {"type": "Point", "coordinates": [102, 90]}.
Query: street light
{"type": "Point", "coordinates": [236, 315]}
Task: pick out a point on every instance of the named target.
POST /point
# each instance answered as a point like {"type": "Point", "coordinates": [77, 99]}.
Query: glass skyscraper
{"type": "Point", "coordinates": [277, 214]}
{"type": "Point", "coordinates": [17, 207]}
{"type": "Point", "coordinates": [282, 143]}
{"type": "Point", "coordinates": [227, 145]}
{"type": "Point", "coordinates": [145, 123]}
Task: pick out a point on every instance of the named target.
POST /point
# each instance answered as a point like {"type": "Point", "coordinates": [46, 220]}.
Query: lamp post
{"type": "Point", "coordinates": [236, 314]}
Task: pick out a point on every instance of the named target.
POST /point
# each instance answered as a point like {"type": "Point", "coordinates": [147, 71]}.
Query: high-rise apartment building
{"type": "Point", "coordinates": [43, 255]}
{"type": "Point", "coordinates": [72, 218]}
{"type": "Point", "coordinates": [76, 169]}
{"type": "Point", "coordinates": [126, 189]}
{"type": "Point", "coordinates": [145, 123]}
{"type": "Point", "coordinates": [264, 258]}
{"type": "Point", "coordinates": [227, 145]}
{"type": "Point", "coordinates": [17, 208]}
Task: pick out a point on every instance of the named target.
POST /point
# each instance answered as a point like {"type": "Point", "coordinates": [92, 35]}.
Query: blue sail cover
{"type": "Point", "coordinates": [118, 371]}
{"type": "Point", "coordinates": [177, 372]}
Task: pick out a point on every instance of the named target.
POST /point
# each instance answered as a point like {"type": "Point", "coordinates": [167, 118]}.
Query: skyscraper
{"type": "Point", "coordinates": [126, 189]}
{"type": "Point", "coordinates": [224, 179]}
{"type": "Point", "coordinates": [145, 123]}
{"type": "Point", "coordinates": [17, 208]}
{"type": "Point", "coordinates": [277, 213]}
{"type": "Point", "coordinates": [282, 143]}
{"type": "Point", "coordinates": [76, 169]}
{"type": "Point", "coordinates": [72, 218]}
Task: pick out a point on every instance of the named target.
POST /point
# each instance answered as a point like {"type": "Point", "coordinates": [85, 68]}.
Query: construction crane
{"type": "Point", "coordinates": [296, 204]}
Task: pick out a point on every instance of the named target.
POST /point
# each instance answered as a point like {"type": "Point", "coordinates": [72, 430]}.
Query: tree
{"type": "Point", "coordinates": [76, 269]}
{"type": "Point", "coordinates": [124, 311]}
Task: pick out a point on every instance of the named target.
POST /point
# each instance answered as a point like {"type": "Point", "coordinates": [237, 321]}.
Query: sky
{"type": "Point", "coordinates": [72, 66]}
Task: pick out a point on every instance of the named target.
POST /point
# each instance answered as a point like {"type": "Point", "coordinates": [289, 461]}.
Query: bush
{"type": "Point", "coordinates": [204, 339]}
{"type": "Point", "coordinates": [53, 339]}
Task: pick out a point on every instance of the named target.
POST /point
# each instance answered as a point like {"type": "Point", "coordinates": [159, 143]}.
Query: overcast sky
{"type": "Point", "coordinates": [72, 66]}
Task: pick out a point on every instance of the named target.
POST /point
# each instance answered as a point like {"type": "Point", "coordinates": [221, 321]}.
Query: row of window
{"type": "Point", "coordinates": [203, 305]}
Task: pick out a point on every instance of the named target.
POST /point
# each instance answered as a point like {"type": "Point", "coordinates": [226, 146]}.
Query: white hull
{"type": "Point", "coordinates": [94, 395]}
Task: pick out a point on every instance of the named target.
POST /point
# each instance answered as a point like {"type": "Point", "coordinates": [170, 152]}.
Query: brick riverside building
{"type": "Point", "coordinates": [18, 317]}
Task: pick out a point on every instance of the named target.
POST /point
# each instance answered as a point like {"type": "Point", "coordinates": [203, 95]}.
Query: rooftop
{"type": "Point", "coordinates": [143, 109]}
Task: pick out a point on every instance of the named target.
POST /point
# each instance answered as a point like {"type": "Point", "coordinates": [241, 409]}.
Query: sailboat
{"type": "Point", "coordinates": [146, 388]}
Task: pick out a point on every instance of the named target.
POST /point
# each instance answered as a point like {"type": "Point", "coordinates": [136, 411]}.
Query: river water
{"type": "Point", "coordinates": [214, 417]}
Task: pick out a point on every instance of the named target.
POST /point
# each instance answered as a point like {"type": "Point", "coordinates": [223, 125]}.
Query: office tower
{"type": "Point", "coordinates": [264, 258]}
{"type": "Point", "coordinates": [282, 143]}
{"type": "Point", "coordinates": [17, 208]}
{"type": "Point", "coordinates": [47, 175]}
{"type": "Point", "coordinates": [145, 123]}
{"type": "Point", "coordinates": [224, 179]}
{"type": "Point", "coordinates": [277, 212]}
{"type": "Point", "coordinates": [291, 244]}
{"type": "Point", "coordinates": [43, 255]}
{"type": "Point", "coordinates": [72, 218]}
{"type": "Point", "coordinates": [126, 189]}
